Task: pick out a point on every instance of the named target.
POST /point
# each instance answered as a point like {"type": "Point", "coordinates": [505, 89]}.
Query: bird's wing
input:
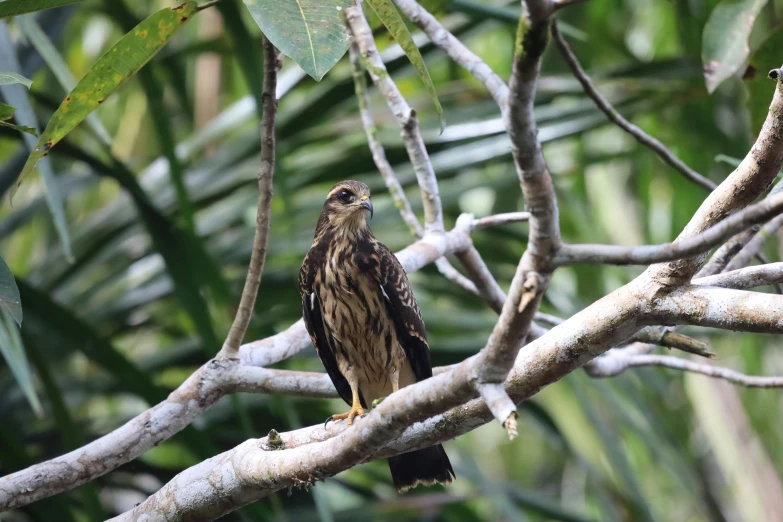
{"type": "Point", "coordinates": [313, 319]}
{"type": "Point", "coordinates": [405, 312]}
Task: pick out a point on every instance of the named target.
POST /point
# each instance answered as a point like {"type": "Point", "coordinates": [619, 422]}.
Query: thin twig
{"type": "Point", "coordinates": [265, 185]}
{"type": "Point", "coordinates": [615, 117]}
{"type": "Point", "coordinates": [662, 336]}
{"type": "Point", "coordinates": [754, 246]}
{"type": "Point", "coordinates": [387, 172]}
{"type": "Point", "coordinates": [500, 219]}
{"type": "Point", "coordinates": [727, 251]}
{"type": "Point", "coordinates": [456, 50]}
{"type": "Point", "coordinates": [414, 144]}
{"type": "Point", "coordinates": [744, 278]}
{"type": "Point", "coordinates": [680, 249]}
{"type": "Point", "coordinates": [615, 362]}
{"type": "Point", "coordinates": [376, 149]}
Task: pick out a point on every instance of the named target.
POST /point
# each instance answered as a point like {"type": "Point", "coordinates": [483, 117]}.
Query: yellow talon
{"type": "Point", "coordinates": [356, 409]}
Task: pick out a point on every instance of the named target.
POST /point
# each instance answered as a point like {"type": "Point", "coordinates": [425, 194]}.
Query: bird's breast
{"type": "Point", "coordinates": [356, 316]}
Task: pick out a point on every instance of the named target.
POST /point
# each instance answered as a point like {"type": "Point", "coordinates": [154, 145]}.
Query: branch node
{"type": "Point", "coordinates": [511, 425]}
{"type": "Point", "coordinates": [529, 291]}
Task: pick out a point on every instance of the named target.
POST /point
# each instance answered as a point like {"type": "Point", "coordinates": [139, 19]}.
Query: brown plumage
{"type": "Point", "coordinates": [364, 321]}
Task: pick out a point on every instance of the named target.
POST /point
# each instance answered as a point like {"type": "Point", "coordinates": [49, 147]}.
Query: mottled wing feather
{"type": "Point", "coordinates": [313, 319]}
{"type": "Point", "coordinates": [404, 312]}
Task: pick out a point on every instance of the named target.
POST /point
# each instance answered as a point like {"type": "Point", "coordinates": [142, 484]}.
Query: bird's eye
{"type": "Point", "coordinates": [344, 196]}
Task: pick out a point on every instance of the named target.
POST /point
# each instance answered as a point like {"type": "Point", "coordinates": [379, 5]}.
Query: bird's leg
{"type": "Point", "coordinates": [395, 382]}
{"type": "Point", "coordinates": [356, 409]}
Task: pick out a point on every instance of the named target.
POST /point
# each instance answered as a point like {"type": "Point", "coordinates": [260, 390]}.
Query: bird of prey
{"type": "Point", "coordinates": [364, 321]}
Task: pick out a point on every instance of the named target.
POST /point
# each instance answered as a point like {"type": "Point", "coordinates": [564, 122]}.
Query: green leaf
{"type": "Point", "coordinates": [725, 39]}
{"type": "Point", "coordinates": [20, 128]}
{"type": "Point", "coordinates": [311, 32]}
{"type": "Point", "coordinates": [13, 352]}
{"type": "Point", "coordinates": [6, 112]}
{"type": "Point", "coordinates": [11, 78]}
{"type": "Point", "coordinates": [112, 70]}
{"type": "Point", "coordinates": [70, 329]}
{"type": "Point", "coordinates": [391, 19]}
{"type": "Point", "coordinates": [20, 99]}
{"type": "Point", "coordinates": [32, 31]}
{"type": "Point", "coordinates": [760, 88]}
{"type": "Point", "coordinates": [9, 293]}
{"type": "Point", "coordinates": [17, 7]}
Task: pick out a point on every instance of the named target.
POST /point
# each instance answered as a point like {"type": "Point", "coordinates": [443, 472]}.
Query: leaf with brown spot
{"type": "Point", "coordinates": [724, 46]}
{"type": "Point", "coordinates": [113, 69]}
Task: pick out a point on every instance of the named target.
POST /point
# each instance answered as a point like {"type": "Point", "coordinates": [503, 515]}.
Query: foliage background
{"type": "Point", "coordinates": [145, 302]}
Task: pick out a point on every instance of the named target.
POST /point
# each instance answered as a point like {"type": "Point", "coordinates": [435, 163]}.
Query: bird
{"type": "Point", "coordinates": [365, 324]}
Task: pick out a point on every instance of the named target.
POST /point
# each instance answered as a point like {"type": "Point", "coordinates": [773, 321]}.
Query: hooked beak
{"type": "Point", "coordinates": [367, 204]}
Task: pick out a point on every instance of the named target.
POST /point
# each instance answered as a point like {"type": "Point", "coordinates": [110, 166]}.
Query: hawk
{"type": "Point", "coordinates": [365, 324]}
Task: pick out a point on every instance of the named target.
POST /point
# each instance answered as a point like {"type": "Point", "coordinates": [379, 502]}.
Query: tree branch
{"type": "Point", "coordinates": [532, 275]}
{"type": "Point", "coordinates": [387, 172]}
{"type": "Point", "coordinates": [254, 469]}
{"type": "Point", "coordinates": [723, 308]}
{"type": "Point", "coordinates": [744, 278]}
{"type": "Point", "coordinates": [376, 149]}
{"type": "Point", "coordinates": [756, 243]}
{"type": "Point", "coordinates": [727, 251]}
{"type": "Point", "coordinates": [265, 185]}
{"type": "Point", "coordinates": [500, 219]}
{"type": "Point", "coordinates": [616, 362]}
{"type": "Point", "coordinates": [748, 181]}
{"type": "Point", "coordinates": [456, 50]}
{"type": "Point", "coordinates": [197, 394]}
{"type": "Point", "coordinates": [414, 144]}
{"type": "Point", "coordinates": [615, 117]}
{"type": "Point", "coordinates": [682, 248]}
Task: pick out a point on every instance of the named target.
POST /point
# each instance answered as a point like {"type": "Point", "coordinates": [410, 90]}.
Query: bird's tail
{"type": "Point", "coordinates": [428, 466]}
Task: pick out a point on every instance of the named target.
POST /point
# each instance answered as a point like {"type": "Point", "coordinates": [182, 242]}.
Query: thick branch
{"type": "Point", "coordinates": [198, 393]}
{"type": "Point", "coordinates": [532, 275]}
{"type": "Point", "coordinates": [536, 183]}
{"type": "Point", "coordinates": [617, 118]}
{"type": "Point", "coordinates": [254, 469]}
{"type": "Point", "coordinates": [720, 308]}
{"type": "Point", "coordinates": [265, 177]}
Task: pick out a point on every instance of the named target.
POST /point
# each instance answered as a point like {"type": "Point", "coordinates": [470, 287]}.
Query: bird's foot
{"type": "Point", "coordinates": [355, 411]}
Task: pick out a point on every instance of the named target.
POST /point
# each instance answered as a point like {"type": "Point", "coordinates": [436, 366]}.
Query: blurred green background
{"type": "Point", "coordinates": [147, 299]}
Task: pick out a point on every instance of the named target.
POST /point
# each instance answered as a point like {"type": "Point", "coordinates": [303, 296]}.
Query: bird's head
{"type": "Point", "coordinates": [347, 206]}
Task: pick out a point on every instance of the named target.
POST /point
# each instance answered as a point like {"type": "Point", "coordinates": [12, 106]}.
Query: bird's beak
{"type": "Point", "coordinates": [368, 205]}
